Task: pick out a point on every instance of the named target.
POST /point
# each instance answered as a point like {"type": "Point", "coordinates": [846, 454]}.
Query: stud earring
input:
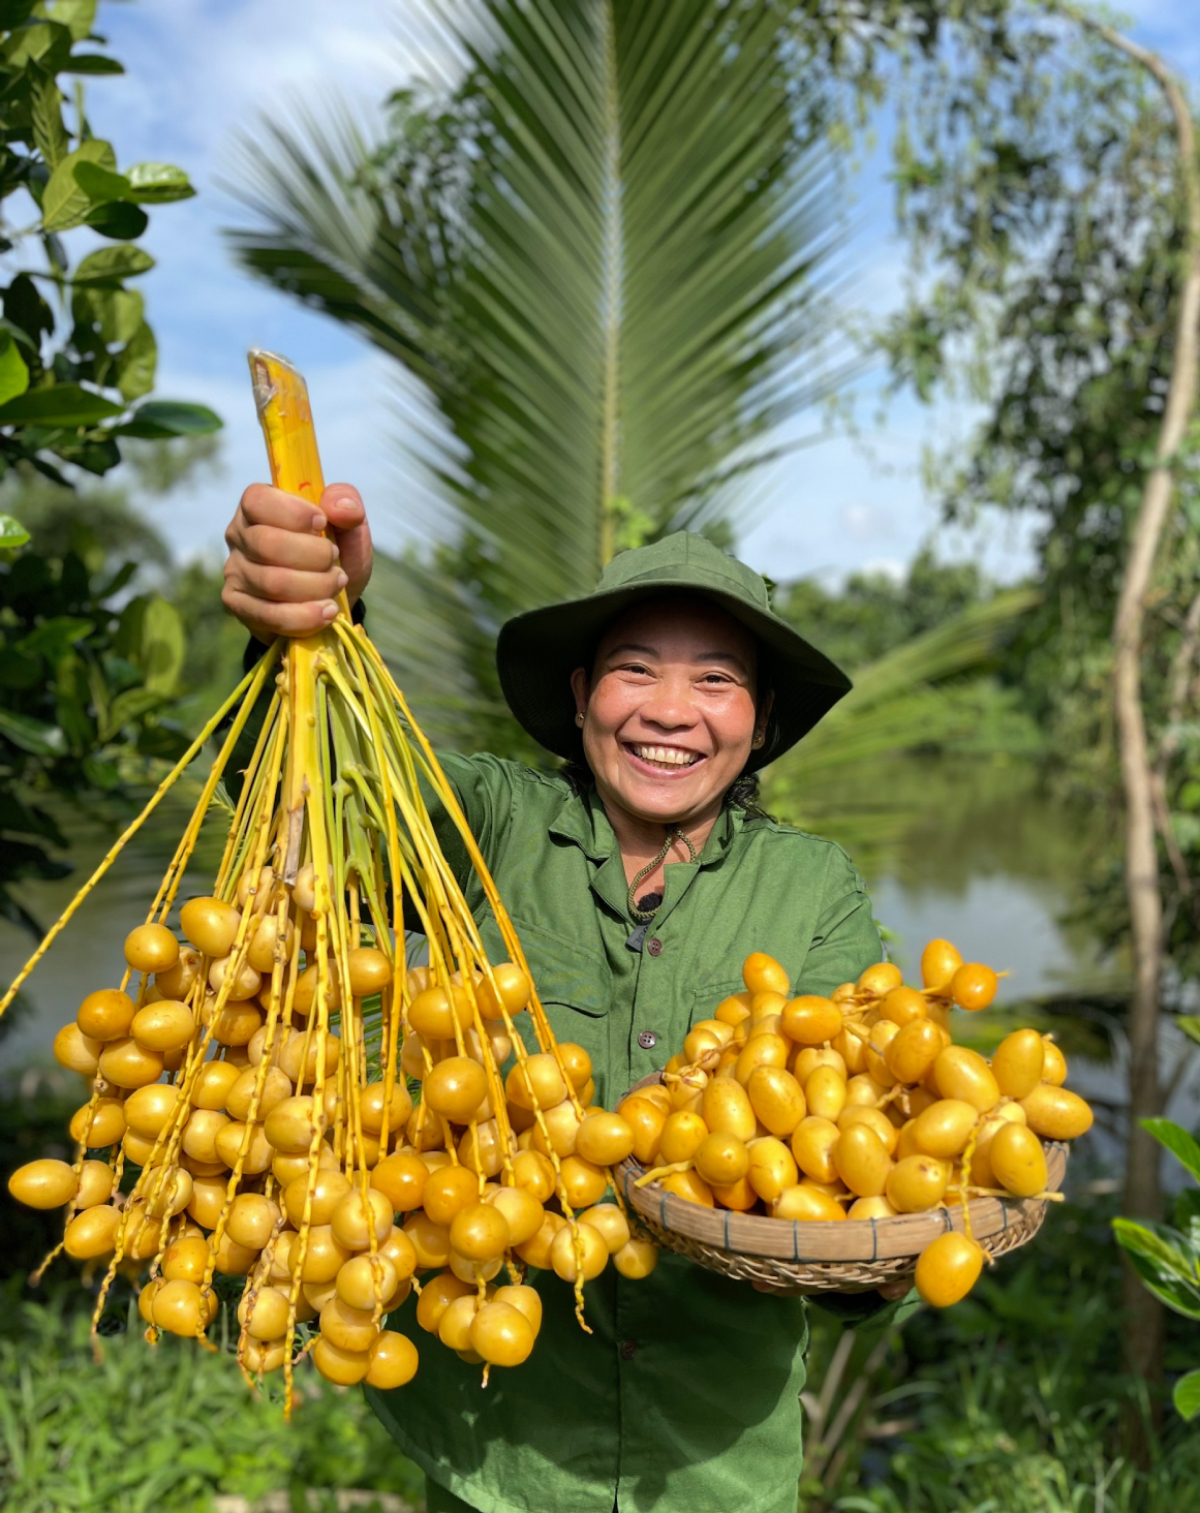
{"type": "Point", "coordinates": [579, 719]}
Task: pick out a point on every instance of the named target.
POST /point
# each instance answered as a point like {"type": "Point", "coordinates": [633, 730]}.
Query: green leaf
{"type": "Point", "coordinates": [1165, 1262]}
{"type": "Point", "coordinates": [14, 375]}
{"type": "Point", "coordinates": [157, 183]}
{"type": "Point", "coordinates": [118, 220]}
{"type": "Point", "coordinates": [55, 636]}
{"type": "Point", "coordinates": [64, 203]}
{"type": "Point", "coordinates": [163, 418]}
{"type": "Point", "coordinates": [31, 735]}
{"type": "Point", "coordinates": [93, 456]}
{"type": "Point", "coordinates": [91, 63]}
{"type": "Point", "coordinates": [111, 264]}
{"type": "Point", "coordinates": [162, 647]}
{"type": "Point", "coordinates": [26, 308]}
{"type": "Point", "coordinates": [14, 13]}
{"type": "Point", "coordinates": [45, 42]}
{"type": "Point", "coordinates": [1190, 1025]}
{"type": "Point", "coordinates": [119, 313]}
{"type": "Point", "coordinates": [128, 707]}
{"type": "Point", "coordinates": [45, 106]}
{"type": "Point", "coordinates": [1186, 1395]}
{"type": "Point", "coordinates": [79, 16]}
{"type": "Point", "coordinates": [12, 533]}
{"type": "Point", "coordinates": [136, 364]}
{"type": "Point", "coordinates": [62, 405]}
{"type": "Point", "coordinates": [18, 334]}
{"type": "Point", "coordinates": [101, 184]}
{"type": "Point", "coordinates": [1187, 1215]}
{"type": "Point", "coordinates": [1177, 1141]}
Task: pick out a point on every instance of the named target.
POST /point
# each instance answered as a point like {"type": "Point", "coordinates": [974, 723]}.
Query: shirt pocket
{"type": "Point", "coordinates": [706, 1000]}
{"type": "Point", "coordinates": [566, 974]}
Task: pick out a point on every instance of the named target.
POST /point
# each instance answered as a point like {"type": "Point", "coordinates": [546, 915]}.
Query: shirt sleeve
{"type": "Point", "coordinates": [846, 939]}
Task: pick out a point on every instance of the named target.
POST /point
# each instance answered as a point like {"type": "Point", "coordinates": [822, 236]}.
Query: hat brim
{"type": "Point", "coordinates": [537, 652]}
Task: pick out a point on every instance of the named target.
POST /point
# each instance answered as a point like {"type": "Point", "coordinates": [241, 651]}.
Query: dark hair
{"type": "Point", "coordinates": [742, 793]}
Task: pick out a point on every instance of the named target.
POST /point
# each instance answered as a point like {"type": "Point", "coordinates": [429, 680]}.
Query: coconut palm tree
{"type": "Point", "coordinates": [597, 244]}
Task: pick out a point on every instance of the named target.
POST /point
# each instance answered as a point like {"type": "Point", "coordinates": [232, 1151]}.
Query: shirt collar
{"type": "Point", "coordinates": [582, 819]}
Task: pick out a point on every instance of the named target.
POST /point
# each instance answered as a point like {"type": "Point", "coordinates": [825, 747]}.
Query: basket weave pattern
{"type": "Point", "coordinates": [823, 1256]}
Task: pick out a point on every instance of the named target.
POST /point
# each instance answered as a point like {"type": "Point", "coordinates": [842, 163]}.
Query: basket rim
{"type": "Point", "coordinates": [808, 1241]}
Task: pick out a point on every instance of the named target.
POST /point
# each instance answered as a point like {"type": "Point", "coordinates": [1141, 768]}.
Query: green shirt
{"type": "Point", "coordinates": [685, 1396]}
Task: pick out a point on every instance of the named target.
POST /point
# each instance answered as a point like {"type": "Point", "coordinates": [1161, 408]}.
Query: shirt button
{"type": "Point", "coordinates": [654, 946]}
{"type": "Point", "coordinates": [628, 1349]}
{"type": "Point", "coordinates": [647, 1040]}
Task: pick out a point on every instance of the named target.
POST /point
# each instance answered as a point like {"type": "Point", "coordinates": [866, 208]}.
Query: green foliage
{"type": "Point", "coordinates": [915, 696]}
{"type": "Point", "coordinates": [33, 1124]}
{"type": "Point", "coordinates": [86, 669]}
{"type": "Point", "coordinates": [67, 336]}
{"type": "Point", "coordinates": [1167, 1257]}
{"type": "Point", "coordinates": [874, 612]}
{"type": "Point", "coordinates": [86, 676]}
{"type": "Point", "coordinates": [168, 1427]}
{"type": "Point", "coordinates": [1037, 183]}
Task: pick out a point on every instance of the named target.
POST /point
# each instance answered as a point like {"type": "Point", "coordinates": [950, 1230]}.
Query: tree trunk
{"type": "Point", "coordinates": [1143, 1193]}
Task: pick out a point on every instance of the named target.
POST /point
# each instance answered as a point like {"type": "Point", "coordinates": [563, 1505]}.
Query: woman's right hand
{"type": "Point", "coordinates": [283, 573]}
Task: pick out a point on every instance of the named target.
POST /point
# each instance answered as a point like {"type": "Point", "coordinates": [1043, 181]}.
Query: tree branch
{"type": "Point", "coordinates": [1142, 1196]}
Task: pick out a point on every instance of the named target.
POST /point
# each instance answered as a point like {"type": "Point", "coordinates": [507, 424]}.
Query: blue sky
{"type": "Point", "coordinates": [200, 71]}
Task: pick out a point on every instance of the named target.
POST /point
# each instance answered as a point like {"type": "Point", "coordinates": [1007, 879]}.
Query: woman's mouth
{"type": "Point", "coordinates": [663, 759]}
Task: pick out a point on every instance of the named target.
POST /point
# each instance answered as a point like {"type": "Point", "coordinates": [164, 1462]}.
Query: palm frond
{"type": "Point", "coordinates": [835, 781]}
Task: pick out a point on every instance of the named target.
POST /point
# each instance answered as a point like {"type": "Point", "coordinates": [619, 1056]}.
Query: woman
{"type": "Point", "coordinates": [638, 878]}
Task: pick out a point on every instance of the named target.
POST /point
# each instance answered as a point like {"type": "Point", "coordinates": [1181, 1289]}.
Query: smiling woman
{"type": "Point", "coordinates": [639, 877]}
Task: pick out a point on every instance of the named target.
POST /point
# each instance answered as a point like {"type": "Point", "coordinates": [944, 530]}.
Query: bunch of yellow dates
{"type": "Point", "coordinates": [857, 1106]}
{"type": "Point", "coordinates": [224, 1136]}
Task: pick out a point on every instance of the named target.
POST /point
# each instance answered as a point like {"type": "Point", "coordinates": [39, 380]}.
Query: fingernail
{"type": "Point", "coordinates": [337, 556]}
{"type": "Point", "coordinates": [319, 522]}
{"type": "Point", "coordinates": [342, 580]}
{"type": "Point", "coordinates": [329, 612]}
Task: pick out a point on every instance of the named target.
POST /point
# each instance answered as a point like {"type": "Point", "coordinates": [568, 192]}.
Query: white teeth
{"type": "Point", "coordinates": [666, 756]}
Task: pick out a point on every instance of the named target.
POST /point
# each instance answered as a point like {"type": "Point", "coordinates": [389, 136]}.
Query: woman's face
{"type": "Point", "coordinates": [669, 710]}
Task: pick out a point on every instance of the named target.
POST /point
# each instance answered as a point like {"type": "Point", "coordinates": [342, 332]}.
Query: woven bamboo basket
{"type": "Point", "coordinates": [850, 1256]}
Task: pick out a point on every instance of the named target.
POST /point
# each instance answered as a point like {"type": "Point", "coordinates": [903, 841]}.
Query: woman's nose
{"type": "Point", "coordinates": [670, 705]}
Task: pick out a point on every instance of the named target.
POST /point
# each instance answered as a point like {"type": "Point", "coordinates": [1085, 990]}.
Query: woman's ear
{"type": "Point", "coordinates": [762, 717]}
{"type": "Point", "coordinates": [581, 687]}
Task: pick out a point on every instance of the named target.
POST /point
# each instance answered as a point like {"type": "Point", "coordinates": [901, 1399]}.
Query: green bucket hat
{"type": "Point", "coordinates": [538, 651]}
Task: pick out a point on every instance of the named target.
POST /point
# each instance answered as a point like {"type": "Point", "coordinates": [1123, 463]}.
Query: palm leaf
{"type": "Point", "coordinates": [601, 251]}
{"type": "Point", "coordinates": [835, 781]}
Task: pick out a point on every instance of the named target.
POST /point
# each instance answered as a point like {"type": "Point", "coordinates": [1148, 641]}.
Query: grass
{"type": "Point", "coordinates": [168, 1428]}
